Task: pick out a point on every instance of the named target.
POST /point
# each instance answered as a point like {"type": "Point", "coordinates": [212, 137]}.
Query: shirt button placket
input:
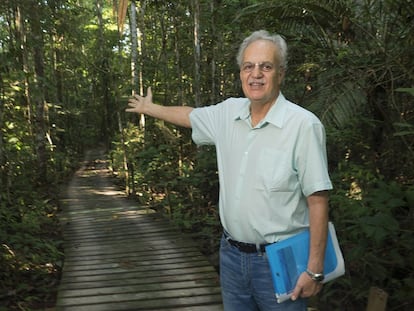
{"type": "Point", "coordinates": [243, 165]}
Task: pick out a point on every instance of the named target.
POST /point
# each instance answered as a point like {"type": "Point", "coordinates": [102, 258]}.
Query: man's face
{"type": "Point", "coordinates": [260, 72]}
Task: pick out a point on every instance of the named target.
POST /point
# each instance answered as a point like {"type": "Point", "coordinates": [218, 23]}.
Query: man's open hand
{"type": "Point", "coordinates": [138, 104]}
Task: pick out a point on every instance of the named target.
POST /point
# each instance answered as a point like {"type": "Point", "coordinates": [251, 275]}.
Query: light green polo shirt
{"type": "Point", "coordinates": [265, 172]}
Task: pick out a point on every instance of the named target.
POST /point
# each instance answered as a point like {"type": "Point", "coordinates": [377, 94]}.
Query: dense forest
{"type": "Point", "coordinates": [68, 67]}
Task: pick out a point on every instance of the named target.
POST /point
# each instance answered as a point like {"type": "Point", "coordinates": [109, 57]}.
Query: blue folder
{"type": "Point", "coordinates": [288, 259]}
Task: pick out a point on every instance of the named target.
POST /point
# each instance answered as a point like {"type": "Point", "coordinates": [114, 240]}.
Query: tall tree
{"type": "Point", "coordinates": [104, 73]}
{"type": "Point", "coordinates": [134, 48]}
{"type": "Point", "coordinates": [197, 52]}
{"type": "Point", "coordinates": [3, 180]}
{"type": "Point", "coordinates": [37, 89]}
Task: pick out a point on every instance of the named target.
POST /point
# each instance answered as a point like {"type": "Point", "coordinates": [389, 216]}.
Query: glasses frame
{"type": "Point", "coordinates": [263, 66]}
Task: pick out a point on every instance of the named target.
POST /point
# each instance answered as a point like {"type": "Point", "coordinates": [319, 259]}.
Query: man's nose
{"type": "Point", "coordinates": [257, 70]}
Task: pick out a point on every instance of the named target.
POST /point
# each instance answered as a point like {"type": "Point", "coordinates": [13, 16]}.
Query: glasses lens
{"type": "Point", "coordinates": [247, 67]}
{"type": "Point", "coordinates": [265, 66]}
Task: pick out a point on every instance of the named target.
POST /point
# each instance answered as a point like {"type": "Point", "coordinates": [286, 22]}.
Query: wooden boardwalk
{"type": "Point", "coordinates": [119, 256]}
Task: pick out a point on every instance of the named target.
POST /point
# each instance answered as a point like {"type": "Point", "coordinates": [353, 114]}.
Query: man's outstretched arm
{"type": "Point", "coordinates": [178, 115]}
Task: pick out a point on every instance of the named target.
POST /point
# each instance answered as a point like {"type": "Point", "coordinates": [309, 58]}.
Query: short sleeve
{"type": "Point", "coordinates": [312, 159]}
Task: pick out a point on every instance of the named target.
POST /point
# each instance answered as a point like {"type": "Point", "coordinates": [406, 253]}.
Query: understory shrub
{"type": "Point", "coordinates": [373, 219]}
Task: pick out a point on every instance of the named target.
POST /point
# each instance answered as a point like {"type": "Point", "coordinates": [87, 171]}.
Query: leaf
{"type": "Point", "coordinates": [379, 226]}
{"type": "Point", "coordinates": [405, 90]}
{"type": "Point", "coordinates": [404, 129]}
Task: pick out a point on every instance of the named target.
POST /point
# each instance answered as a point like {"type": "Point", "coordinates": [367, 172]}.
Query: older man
{"type": "Point", "coordinates": [272, 170]}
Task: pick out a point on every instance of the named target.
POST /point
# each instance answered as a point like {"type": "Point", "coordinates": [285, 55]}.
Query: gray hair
{"type": "Point", "coordinates": [264, 35]}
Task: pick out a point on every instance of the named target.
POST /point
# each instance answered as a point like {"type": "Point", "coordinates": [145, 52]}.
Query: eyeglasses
{"type": "Point", "coordinates": [264, 66]}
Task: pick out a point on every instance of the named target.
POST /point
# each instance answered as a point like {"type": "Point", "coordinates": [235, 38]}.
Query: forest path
{"type": "Point", "coordinates": [119, 256]}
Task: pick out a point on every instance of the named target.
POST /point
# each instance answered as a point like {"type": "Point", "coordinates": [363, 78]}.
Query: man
{"type": "Point", "coordinates": [273, 175]}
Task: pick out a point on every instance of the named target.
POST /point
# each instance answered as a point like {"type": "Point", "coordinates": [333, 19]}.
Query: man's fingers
{"type": "Point", "coordinates": [296, 293]}
{"type": "Point", "coordinates": [149, 94]}
{"type": "Point", "coordinates": [136, 102]}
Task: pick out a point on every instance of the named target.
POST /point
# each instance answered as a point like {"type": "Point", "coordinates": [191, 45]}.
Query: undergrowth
{"type": "Point", "coordinates": [30, 254]}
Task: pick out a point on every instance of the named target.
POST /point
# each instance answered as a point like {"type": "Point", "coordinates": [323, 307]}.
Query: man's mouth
{"type": "Point", "coordinates": [256, 83]}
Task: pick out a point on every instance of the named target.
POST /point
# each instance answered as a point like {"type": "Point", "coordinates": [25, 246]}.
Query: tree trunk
{"type": "Point", "coordinates": [3, 180]}
{"type": "Point", "coordinates": [105, 78]}
{"type": "Point", "coordinates": [38, 91]}
{"type": "Point", "coordinates": [141, 46]}
{"type": "Point", "coordinates": [213, 54]}
{"type": "Point", "coordinates": [134, 48]}
{"type": "Point", "coordinates": [21, 50]}
{"type": "Point", "coordinates": [197, 53]}
{"type": "Point", "coordinates": [137, 35]}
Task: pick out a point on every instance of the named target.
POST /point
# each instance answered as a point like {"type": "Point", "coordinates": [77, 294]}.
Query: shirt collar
{"type": "Point", "coordinates": [275, 116]}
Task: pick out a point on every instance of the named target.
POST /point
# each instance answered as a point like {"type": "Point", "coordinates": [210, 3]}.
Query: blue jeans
{"type": "Point", "coordinates": [246, 282]}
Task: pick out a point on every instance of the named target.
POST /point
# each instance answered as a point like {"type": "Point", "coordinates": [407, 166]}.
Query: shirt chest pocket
{"type": "Point", "coordinates": [275, 172]}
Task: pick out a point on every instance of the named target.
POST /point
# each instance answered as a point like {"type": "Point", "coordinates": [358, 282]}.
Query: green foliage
{"type": "Point", "coordinates": [30, 243]}
{"type": "Point", "coordinates": [374, 220]}
{"type": "Point", "coordinates": [30, 253]}
{"type": "Point", "coordinates": [404, 128]}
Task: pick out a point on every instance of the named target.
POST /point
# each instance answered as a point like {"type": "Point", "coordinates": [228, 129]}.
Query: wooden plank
{"type": "Point", "coordinates": [128, 247]}
{"type": "Point", "coordinates": [122, 257]}
{"type": "Point", "coordinates": [125, 295]}
{"type": "Point", "coordinates": [114, 230]}
{"type": "Point", "coordinates": [208, 278]}
{"type": "Point", "coordinates": [132, 262]}
{"type": "Point", "coordinates": [136, 288]}
{"type": "Point", "coordinates": [179, 303]}
{"type": "Point", "coordinates": [134, 274]}
{"type": "Point", "coordinates": [159, 254]}
{"type": "Point", "coordinates": [138, 268]}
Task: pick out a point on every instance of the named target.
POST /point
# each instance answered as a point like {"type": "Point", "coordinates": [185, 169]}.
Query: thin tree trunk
{"type": "Point", "coordinates": [125, 159]}
{"type": "Point", "coordinates": [38, 91]}
{"type": "Point", "coordinates": [137, 38]}
{"type": "Point", "coordinates": [134, 48]}
{"type": "Point", "coordinates": [197, 53]}
{"type": "Point", "coordinates": [104, 75]}
{"type": "Point", "coordinates": [141, 45]}
{"type": "Point", "coordinates": [3, 179]}
{"type": "Point", "coordinates": [213, 53]}
{"type": "Point", "coordinates": [179, 71]}
{"type": "Point", "coordinates": [21, 50]}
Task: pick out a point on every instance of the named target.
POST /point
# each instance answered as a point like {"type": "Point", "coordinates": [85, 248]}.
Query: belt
{"type": "Point", "coordinates": [246, 247]}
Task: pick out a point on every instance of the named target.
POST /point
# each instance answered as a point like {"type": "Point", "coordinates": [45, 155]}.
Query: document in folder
{"type": "Point", "coordinates": [289, 258]}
